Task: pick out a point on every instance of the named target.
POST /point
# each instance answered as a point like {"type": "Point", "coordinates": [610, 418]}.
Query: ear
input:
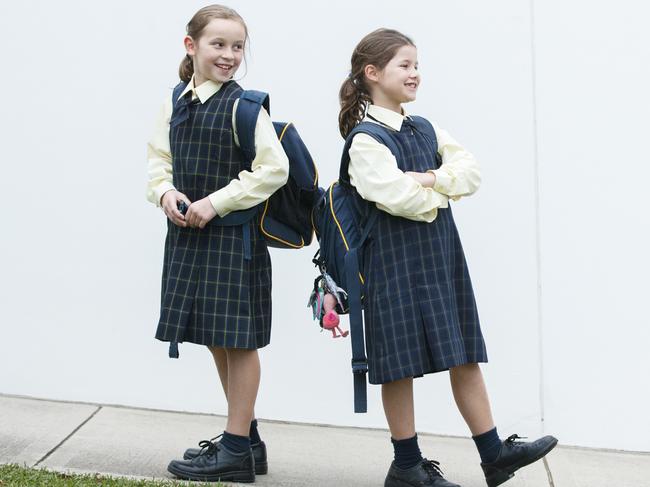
{"type": "Point", "coordinates": [190, 47]}
{"type": "Point", "coordinates": [371, 72]}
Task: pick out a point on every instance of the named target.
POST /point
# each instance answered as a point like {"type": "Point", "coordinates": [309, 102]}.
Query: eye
{"type": "Point", "coordinates": [238, 47]}
{"type": "Point", "coordinates": [217, 44]}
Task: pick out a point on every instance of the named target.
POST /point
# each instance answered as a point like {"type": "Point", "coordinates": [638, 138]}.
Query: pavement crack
{"type": "Point", "coordinates": [67, 437]}
{"type": "Point", "coordinates": [548, 473]}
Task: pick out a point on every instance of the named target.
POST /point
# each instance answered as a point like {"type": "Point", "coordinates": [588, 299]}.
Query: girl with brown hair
{"type": "Point", "coordinates": [420, 311]}
{"type": "Point", "coordinates": [216, 283]}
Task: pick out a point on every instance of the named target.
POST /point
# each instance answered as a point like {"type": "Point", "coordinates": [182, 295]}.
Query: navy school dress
{"type": "Point", "coordinates": [211, 293]}
{"type": "Point", "coordinates": [420, 311]}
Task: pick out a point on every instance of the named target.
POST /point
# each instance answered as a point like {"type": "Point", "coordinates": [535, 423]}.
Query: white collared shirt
{"type": "Point", "coordinates": [269, 170]}
{"type": "Point", "coordinates": [374, 173]}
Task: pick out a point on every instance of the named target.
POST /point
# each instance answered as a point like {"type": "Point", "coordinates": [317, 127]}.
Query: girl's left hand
{"type": "Point", "coordinates": [200, 213]}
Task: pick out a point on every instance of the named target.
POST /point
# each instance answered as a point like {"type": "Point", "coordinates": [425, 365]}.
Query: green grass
{"type": "Point", "coordinates": [16, 476]}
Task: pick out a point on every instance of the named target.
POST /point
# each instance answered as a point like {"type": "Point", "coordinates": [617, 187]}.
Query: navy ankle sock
{"type": "Point", "coordinates": [489, 445]}
{"type": "Point", "coordinates": [407, 452]}
{"type": "Point", "coordinates": [235, 443]}
{"type": "Point", "coordinates": [253, 433]}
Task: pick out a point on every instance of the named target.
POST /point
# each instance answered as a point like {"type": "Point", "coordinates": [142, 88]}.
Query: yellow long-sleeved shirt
{"type": "Point", "coordinates": [269, 170]}
{"type": "Point", "coordinates": [374, 173]}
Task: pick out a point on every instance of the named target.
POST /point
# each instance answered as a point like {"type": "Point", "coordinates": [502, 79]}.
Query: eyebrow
{"type": "Point", "coordinates": [215, 39]}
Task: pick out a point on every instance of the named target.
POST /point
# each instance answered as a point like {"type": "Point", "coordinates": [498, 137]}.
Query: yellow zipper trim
{"type": "Point", "coordinates": [283, 131]}
{"type": "Point", "coordinates": [289, 244]}
{"type": "Point", "coordinates": [312, 161]}
{"type": "Point", "coordinates": [345, 242]}
{"type": "Point", "coordinates": [266, 207]}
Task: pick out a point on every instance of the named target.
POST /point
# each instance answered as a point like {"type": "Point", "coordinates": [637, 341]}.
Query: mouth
{"type": "Point", "coordinates": [411, 85]}
{"type": "Point", "coordinates": [224, 67]}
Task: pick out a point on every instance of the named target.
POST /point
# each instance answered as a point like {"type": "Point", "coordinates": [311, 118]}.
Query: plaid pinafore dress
{"type": "Point", "coordinates": [420, 312]}
{"type": "Point", "coordinates": [212, 293]}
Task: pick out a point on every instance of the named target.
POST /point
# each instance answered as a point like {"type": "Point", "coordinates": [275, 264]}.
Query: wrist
{"type": "Point", "coordinates": [162, 190]}
{"type": "Point", "coordinates": [430, 179]}
{"type": "Point", "coordinates": [162, 198]}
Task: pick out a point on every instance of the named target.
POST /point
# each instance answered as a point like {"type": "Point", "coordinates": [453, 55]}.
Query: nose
{"type": "Point", "coordinates": [228, 53]}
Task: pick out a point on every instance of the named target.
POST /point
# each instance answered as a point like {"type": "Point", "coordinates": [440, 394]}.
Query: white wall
{"type": "Point", "coordinates": [593, 105]}
{"type": "Point", "coordinates": [555, 109]}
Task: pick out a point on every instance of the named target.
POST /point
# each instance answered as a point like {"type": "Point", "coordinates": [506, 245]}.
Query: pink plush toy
{"type": "Point", "coordinates": [324, 298]}
{"type": "Point", "coordinates": [331, 317]}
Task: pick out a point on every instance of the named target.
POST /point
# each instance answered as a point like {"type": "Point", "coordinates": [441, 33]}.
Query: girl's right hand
{"type": "Point", "coordinates": [169, 205]}
{"type": "Point", "coordinates": [426, 179]}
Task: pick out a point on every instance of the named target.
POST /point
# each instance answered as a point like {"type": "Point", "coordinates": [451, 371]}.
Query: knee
{"type": "Point", "coordinates": [239, 352]}
{"type": "Point", "coordinates": [217, 351]}
{"type": "Point", "coordinates": [464, 370]}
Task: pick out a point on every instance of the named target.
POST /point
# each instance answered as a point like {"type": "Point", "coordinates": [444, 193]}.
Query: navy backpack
{"type": "Point", "coordinates": [286, 216]}
{"type": "Point", "coordinates": [343, 222]}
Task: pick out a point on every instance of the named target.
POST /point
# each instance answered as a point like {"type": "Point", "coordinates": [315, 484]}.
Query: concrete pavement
{"type": "Point", "coordinates": [120, 441]}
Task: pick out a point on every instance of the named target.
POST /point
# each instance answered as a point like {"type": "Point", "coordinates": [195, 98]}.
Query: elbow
{"type": "Point", "coordinates": [470, 183]}
{"type": "Point", "coordinates": [283, 172]}
{"type": "Point", "coordinates": [279, 175]}
{"type": "Point", "coordinates": [475, 182]}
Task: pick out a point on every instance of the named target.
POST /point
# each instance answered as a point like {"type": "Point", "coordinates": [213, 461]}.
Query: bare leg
{"type": "Point", "coordinates": [397, 397]}
{"type": "Point", "coordinates": [243, 384]}
{"type": "Point", "coordinates": [472, 398]}
{"type": "Point", "coordinates": [221, 361]}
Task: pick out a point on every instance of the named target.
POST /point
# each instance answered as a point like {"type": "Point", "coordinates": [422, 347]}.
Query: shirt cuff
{"type": "Point", "coordinates": [161, 189]}
{"type": "Point", "coordinates": [219, 200]}
{"type": "Point", "coordinates": [443, 181]}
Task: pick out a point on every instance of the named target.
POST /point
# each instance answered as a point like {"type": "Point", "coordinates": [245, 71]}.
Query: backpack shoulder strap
{"type": "Point", "coordinates": [352, 258]}
{"type": "Point", "coordinates": [377, 132]}
{"type": "Point", "coordinates": [180, 111]}
{"type": "Point", "coordinates": [248, 109]}
{"type": "Point", "coordinates": [178, 89]}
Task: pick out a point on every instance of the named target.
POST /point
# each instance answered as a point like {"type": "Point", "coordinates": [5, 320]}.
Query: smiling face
{"type": "Point", "coordinates": [218, 52]}
{"type": "Point", "coordinates": [397, 82]}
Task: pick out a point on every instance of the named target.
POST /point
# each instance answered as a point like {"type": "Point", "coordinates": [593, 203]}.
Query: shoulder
{"type": "Point", "coordinates": [368, 141]}
{"type": "Point", "coordinates": [363, 141]}
{"type": "Point", "coordinates": [167, 105]}
{"type": "Point", "coordinates": [372, 136]}
{"type": "Point", "coordinates": [251, 106]}
{"type": "Point", "coordinates": [362, 138]}
{"type": "Point", "coordinates": [253, 99]}
{"type": "Point", "coordinates": [423, 123]}
{"type": "Point", "coordinates": [367, 130]}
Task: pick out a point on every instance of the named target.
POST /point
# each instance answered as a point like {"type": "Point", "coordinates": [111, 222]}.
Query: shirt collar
{"type": "Point", "coordinates": [389, 117]}
{"type": "Point", "coordinates": [204, 91]}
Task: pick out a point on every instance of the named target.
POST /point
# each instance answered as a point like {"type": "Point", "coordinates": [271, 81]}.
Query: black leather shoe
{"type": "Point", "coordinates": [259, 452]}
{"type": "Point", "coordinates": [513, 456]}
{"type": "Point", "coordinates": [426, 473]}
{"type": "Point", "coordinates": [216, 463]}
